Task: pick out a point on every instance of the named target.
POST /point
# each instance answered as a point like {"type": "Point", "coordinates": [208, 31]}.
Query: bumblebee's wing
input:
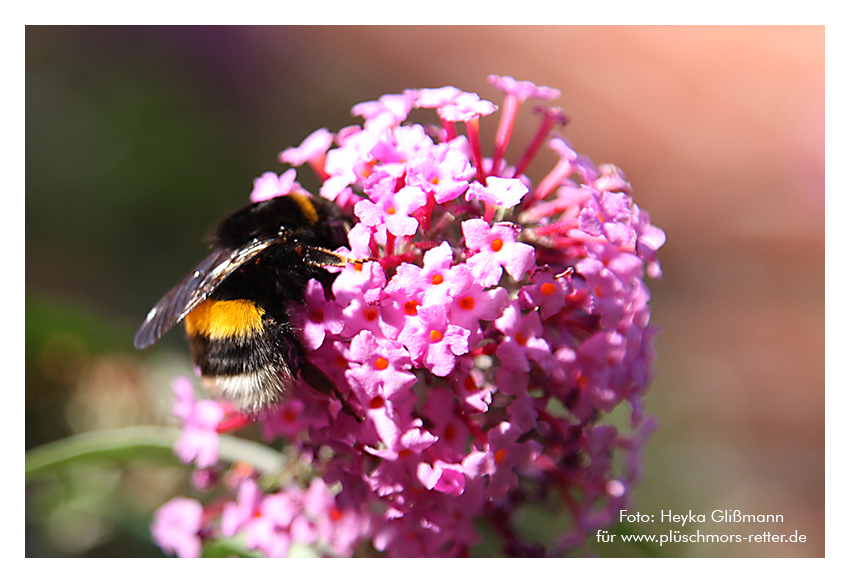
{"type": "Point", "coordinates": [195, 288]}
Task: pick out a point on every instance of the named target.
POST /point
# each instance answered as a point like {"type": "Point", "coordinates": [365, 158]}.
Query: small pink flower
{"type": "Point", "coordinates": [464, 107]}
{"type": "Point", "coordinates": [270, 185]}
{"type": "Point", "coordinates": [413, 441]}
{"type": "Point", "coordinates": [504, 455]}
{"type": "Point", "coordinates": [442, 477]}
{"type": "Point", "coordinates": [496, 247]}
{"type": "Point", "coordinates": [361, 315]}
{"type": "Point", "coordinates": [434, 98]}
{"type": "Point", "coordinates": [284, 420]}
{"type": "Point", "coordinates": [313, 147]}
{"type": "Point", "coordinates": [176, 527]}
{"type": "Point", "coordinates": [349, 163]}
{"type": "Point", "coordinates": [392, 210]}
{"type": "Point", "coordinates": [340, 530]}
{"type": "Point", "coordinates": [433, 342]}
{"type": "Point", "coordinates": [522, 90]}
{"type": "Point", "coordinates": [473, 391]}
{"type": "Point", "coordinates": [546, 293]}
{"type": "Point", "coordinates": [198, 439]}
{"type": "Point", "coordinates": [444, 170]}
{"type": "Point", "coordinates": [319, 317]}
{"type": "Point", "coordinates": [389, 111]}
{"type": "Point", "coordinates": [435, 281]}
{"type": "Point", "coordinates": [235, 515]}
{"type": "Point", "coordinates": [380, 362]}
{"type": "Point", "coordinates": [473, 304]}
{"type": "Point", "coordinates": [523, 340]}
{"type": "Point", "coordinates": [505, 192]}
{"type": "Point", "coordinates": [270, 530]}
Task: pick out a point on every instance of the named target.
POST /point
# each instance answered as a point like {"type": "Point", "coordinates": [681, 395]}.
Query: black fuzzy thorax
{"type": "Point", "coordinates": [273, 281]}
{"type": "Point", "coordinates": [284, 215]}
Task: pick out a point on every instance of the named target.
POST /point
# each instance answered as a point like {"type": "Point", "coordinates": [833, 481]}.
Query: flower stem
{"type": "Point", "coordinates": [318, 166]}
{"type": "Point", "coordinates": [506, 127]}
{"type": "Point", "coordinates": [475, 144]}
{"type": "Point", "coordinates": [551, 116]}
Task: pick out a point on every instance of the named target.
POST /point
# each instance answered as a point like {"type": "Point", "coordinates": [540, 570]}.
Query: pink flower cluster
{"type": "Point", "coordinates": [494, 324]}
{"type": "Point", "coordinates": [269, 524]}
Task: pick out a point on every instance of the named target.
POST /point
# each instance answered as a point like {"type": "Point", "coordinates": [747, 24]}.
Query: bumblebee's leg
{"type": "Point", "coordinates": [319, 258]}
{"type": "Point", "coordinates": [319, 381]}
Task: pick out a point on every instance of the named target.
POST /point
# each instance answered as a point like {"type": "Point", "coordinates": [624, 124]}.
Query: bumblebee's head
{"type": "Point", "coordinates": [314, 221]}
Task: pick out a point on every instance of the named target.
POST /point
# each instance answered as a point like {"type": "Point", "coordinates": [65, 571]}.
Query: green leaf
{"type": "Point", "coordinates": [228, 547]}
{"type": "Point", "coordinates": [141, 441]}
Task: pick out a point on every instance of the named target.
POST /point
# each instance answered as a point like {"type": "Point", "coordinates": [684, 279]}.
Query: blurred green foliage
{"type": "Point", "coordinates": [132, 152]}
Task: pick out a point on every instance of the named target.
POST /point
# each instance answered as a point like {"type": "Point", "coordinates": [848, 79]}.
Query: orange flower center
{"type": "Point", "coordinates": [497, 245]}
{"type": "Point", "coordinates": [381, 363]}
{"type": "Point", "coordinates": [436, 335]}
{"type": "Point", "coordinates": [451, 432]}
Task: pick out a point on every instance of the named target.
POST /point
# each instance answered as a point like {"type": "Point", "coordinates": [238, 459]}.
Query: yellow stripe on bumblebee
{"type": "Point", "coordinates": [225, 319]}
{"type": "Point", "coordinates": [308, 209]}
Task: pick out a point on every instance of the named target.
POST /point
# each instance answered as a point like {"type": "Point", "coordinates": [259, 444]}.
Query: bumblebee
{"type": "Point", "coordinates": [237, 302]}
